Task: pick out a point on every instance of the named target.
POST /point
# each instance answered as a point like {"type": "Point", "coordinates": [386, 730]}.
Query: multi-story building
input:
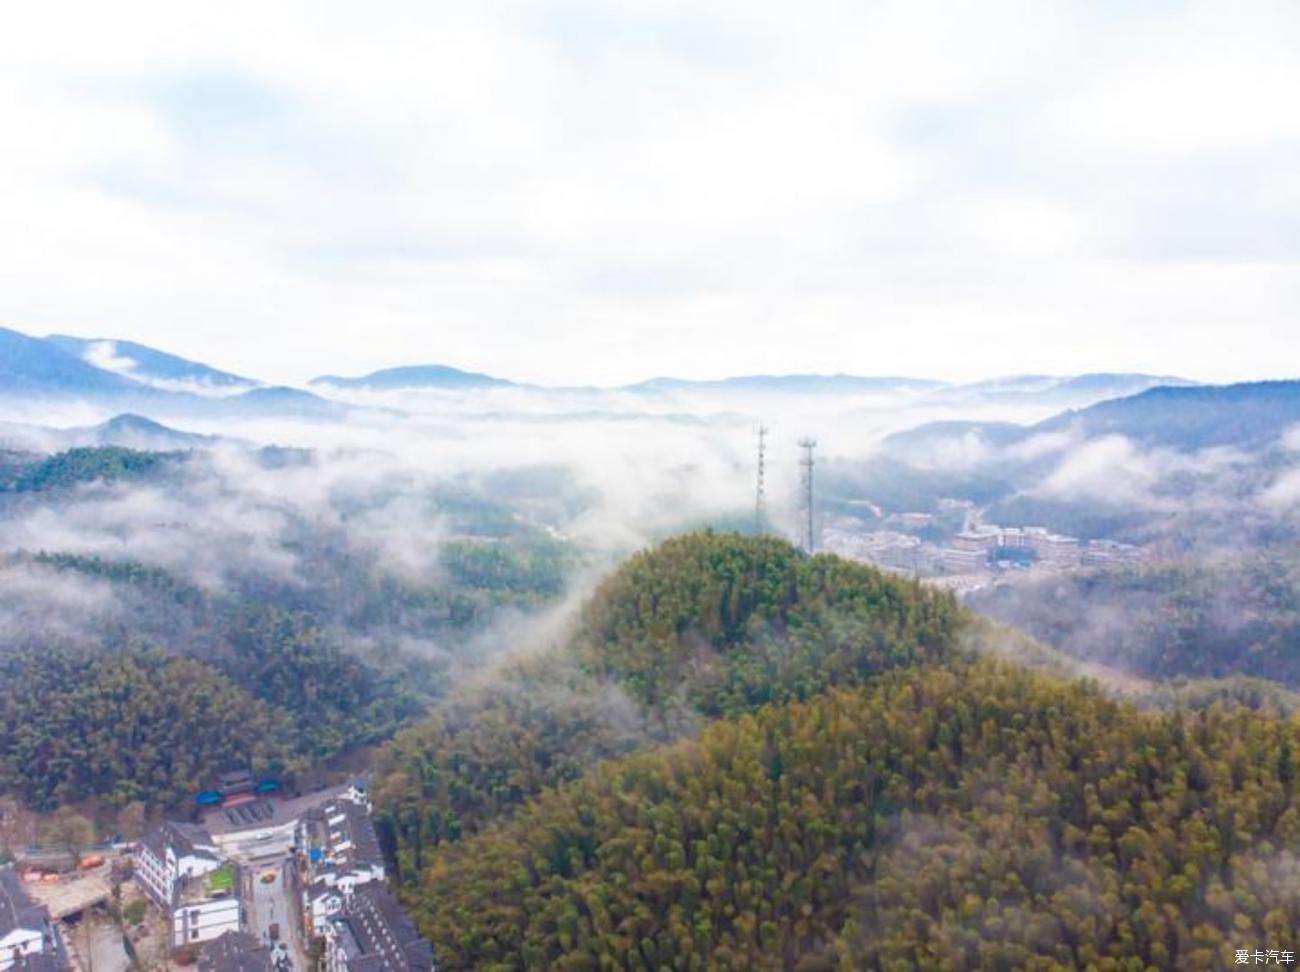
{"type": "Point", "coordinates": [28, 939]}
{"type": "Point", "coordinates": [1016, 538]}
{"type": "Point", "coordinates": [968, 551]}
{"type": "Point", "coordinates": [983, 539]}
{"type": "Point", "coordinates": [1101, 553]}
{"type": "Point", "coordinates": [181, 870]}
{"type": "Point", "coordinates": [371, 933]}
{"type": "Point", "coordinates": [1057, 550]}
{"type": "Point", "coordinates": [341, 852]}
{"type": "Point", "coordinates": [204, 912]}
{"type": "Point", "coordinates": [171, 853]}
{"type": "Point", "coordinates": [959, 561]}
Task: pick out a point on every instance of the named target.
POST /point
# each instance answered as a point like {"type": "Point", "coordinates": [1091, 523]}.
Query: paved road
{"type": "Point", "coordinates": [269, 904]}
{"type": "Point", "coordinates": [254, 849]}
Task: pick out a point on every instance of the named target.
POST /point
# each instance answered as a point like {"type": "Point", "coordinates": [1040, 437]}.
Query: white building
{"type": "Point", "coordinates": [176, 866]}
{"type": "Point", "coordinates": [342, 854]}
{"type": "Point", "coordinates": [1101, 553]}
{"type": "Point", "coordinates": [28, 939]}
{"type": "Point", "coordinates": [171, 853]}
{"type": "Point", "coordinates": [372, 932]}
{"type": "Point", "coordinates": [204, 919]}
{"type": "Point", "coordinates": [1057, 550]}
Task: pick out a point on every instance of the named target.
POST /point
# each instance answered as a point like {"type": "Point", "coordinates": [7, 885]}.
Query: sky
{"type": "Point", "coordinates": [577, 192]}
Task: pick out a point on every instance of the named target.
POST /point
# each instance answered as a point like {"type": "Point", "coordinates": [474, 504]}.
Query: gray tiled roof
{"type": "Point", "coordinates": [357, 829]}
{"type": "Point", "coordinates": [383, 934]}
{"type": "Point", "coordinates": [39, 962]}
{"type": "Point", "coordinates": [235, 951]}
{"type": "Point", "coordinates": [183, 838]}
{"type": "Point", "coordinates": [17, 910]}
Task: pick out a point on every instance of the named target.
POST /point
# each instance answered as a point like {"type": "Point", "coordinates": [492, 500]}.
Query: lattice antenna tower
{"type": "Point", "coordinates": [807, 534]}
{"type": "Point", "coordinates": [760, 486]}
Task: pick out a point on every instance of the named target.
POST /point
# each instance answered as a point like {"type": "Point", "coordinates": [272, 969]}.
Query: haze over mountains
{"type": "Point", "coordinates": [419, 560]}
{"type": "Point", "coordinates": [1098, 441]}
{"type": "Point", "coordinates": [63, 365]}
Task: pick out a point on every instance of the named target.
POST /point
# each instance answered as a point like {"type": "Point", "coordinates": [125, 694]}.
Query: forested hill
{"type": "Point", "coordinates": [750, 758]}
{"type": "Point", "coordinates": [729, 622]}
{"type": "Point", "coordinates": [959, 818]}
{"type": "Point", "coordinates": [85, 465]}
{"type": "Point", "coordinates": [702, 626]}
{"type": "Point", "coordinates": [1215, 620]}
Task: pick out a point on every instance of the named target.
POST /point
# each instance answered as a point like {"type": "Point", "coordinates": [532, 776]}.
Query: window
{"type": "Point", "coordinates": [194, 934]}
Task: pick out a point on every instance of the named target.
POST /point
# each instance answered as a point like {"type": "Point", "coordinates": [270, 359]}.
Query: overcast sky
{"type": "Point", "coordinates": [599, 192]}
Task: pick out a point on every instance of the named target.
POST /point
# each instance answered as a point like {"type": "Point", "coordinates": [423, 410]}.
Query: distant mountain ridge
{"type": "Point", "coordinates": [126, 430]}
{"type": "Point", "coordinates": [1248, 414]}
{"type": "Point", "coordinates": [129, 377]}
{"type": "Point", "coordinates": [150, 366]}
{"type": "Point", "coordinates": [1055, 390]}
{"type": "Point", "coordinates": [1188, 417]}
{"type": "Point", "coordinates": [416, 376]}
{"type": "Point", "coordinates": [135, 378]}
{"type": "Point", "coordinates": [34, 365]}
{"type": "Point", "coordinates": [793, 384]}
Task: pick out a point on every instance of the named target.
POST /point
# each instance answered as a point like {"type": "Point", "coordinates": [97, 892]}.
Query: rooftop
{"type": "Point", "coordinates": [17, 909]}
{"type": "Point", "coordinates": [346, 841]}
{"type": "Point", "coordinates": [185, 839]}
{"type": "Point", "coordinates": [235, 951]}
{"type": "Point", "coordinates": [282, 812]}
{"type": "Point", "coordinates": [375, 933]}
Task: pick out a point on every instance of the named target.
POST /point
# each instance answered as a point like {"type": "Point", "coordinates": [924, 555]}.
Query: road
{"type": "Point", "coordinates": [270, 904]}
{"type": "Point", "coordinates": [253, 849]}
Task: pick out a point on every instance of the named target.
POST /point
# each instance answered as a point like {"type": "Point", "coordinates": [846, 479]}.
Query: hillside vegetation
{"type": "Point", "coordinates": [970, 817]}
{"type": "Point", "coordinates": [136, 724]}
{"type": "Point", "coordinates": [749, 758]}
{"type": "Point", "coordinates": [1166, 621]}
{"type": "Point", "coordinates": [331, 649]}
{"type": "Point", "coordinates": [701, 626]}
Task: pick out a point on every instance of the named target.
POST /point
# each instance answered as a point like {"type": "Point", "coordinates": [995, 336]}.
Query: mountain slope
{"type": "Point", "coordinates": [701, 626]}
{"type": "Point", "coordinates": [150, 366]}
{"type": "Point", "coordinates": [967, 817]}
{"type": "Point", "coordinates": [32, 366]}
{"type": "Point", "coordinates": [279, 402]}
{"type": "Point", "coordinates": [806, 384]}
{"type": "Point", "coordinates": [1054, 391]}
{"type": "Point", "coordinates": [137, 432]}
{"type": "Point", "coordinates": [1247, 415]}
{"type": "Point", "coordinates": [415, 376]}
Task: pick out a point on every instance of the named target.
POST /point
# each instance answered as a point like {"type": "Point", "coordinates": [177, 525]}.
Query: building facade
{"type": "Point", "coordinates": [28, 939]}
{"type": "Point", "coordinates": [372, 934]}
{"type": "Point", "coordinates": [177, 866]}
{"type": "Point", "coordinates": [340, 853]}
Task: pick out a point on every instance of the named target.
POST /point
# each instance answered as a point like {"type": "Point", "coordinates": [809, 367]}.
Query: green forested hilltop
{"type": "Point", "coordinates": [336, 659]}
{"type": "Point", "coordinates": [728, 622]}
{"type": "Point", "coordinates": [133, 725]}
{"type": "Point", "coordinates": [701, 626]}
{"type": "Point", "coordinates": [973, 816]}
{"type": "Point", "coordinates": [89, 464]}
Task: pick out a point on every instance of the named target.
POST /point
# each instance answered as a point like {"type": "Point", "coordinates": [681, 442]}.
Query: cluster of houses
{"type": "Point", "coordinates": [972, 550]}
{"type": "Point", "coordinates": [183, 872]}
{"type": "Point", "coordinates": [337, 879]}
{"type": "Point", "coordinates": [977, 549]}
{"type": "Point", "coordinates": [29, 940]}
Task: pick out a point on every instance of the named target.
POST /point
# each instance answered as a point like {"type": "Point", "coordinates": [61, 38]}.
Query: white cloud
{"type": "Point", "coordinates": [603, 191]}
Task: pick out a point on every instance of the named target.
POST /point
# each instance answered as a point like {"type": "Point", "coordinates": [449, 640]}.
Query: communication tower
{"type": "Point", "coordinates": [760, 494]}
{"type": "Point", "coordinates": [807, 537]}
